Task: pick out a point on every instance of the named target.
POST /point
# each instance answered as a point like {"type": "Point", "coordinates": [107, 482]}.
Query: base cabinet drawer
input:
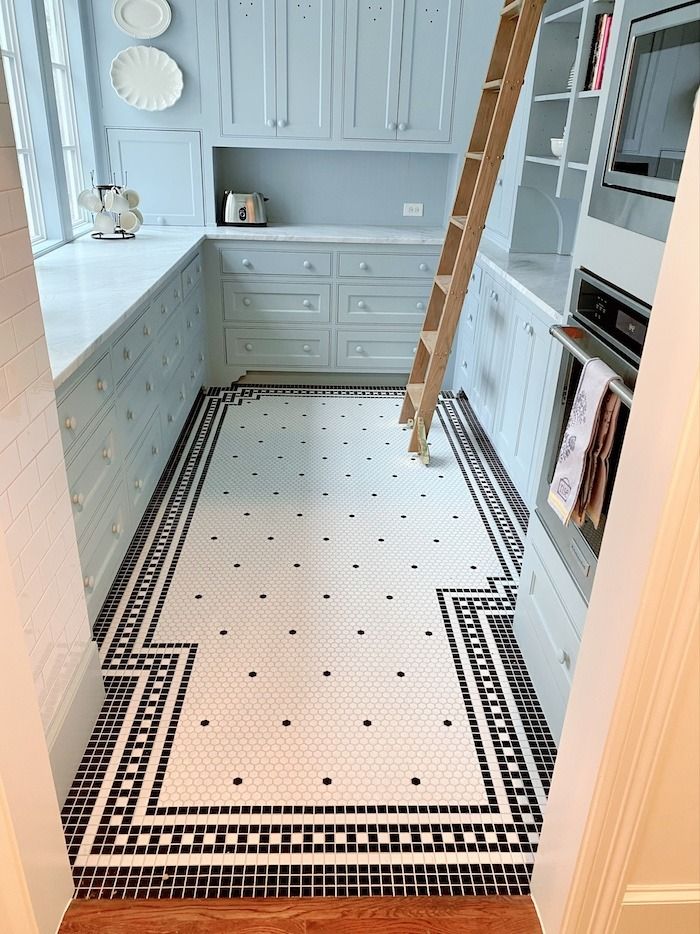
{"type": "Point", "coordinates": [191, 275]}
{"type": "Point", "coordinates": [167, 301]}
{"type": "Point", "coordinates": [270, 303]}
{"type": "Point", "coordinates": [137, 400]}
{"type": "Point", "coordinates": [130, 346]}
{"type": "Point", "coordinates": [388, 265]}
{"type": "Point", "coordinates": [77, 409]}
{"type": "Point", "coordinates": [101, 553]}
{"type": "Point", "coordinates": [174, 404]}
{"type": "Point", "coordinates": [93, 472]}
{"type": "Point", "coordinates": [371, 350]}
{"type": "Point", "coordinates": [193, 317]}
{"type": "Point", "coordinates": [363, 305]}
{"type": "Point", "coordinates": [549, 615]}
{"type": "Point", "coordinates": [243, 262]}
{"type": "Point", "coordinates": [143, 468]}
{"type": "Point", "coordinates": [257, 348]}
{"type": "Point", "coordinates": [171, 346]}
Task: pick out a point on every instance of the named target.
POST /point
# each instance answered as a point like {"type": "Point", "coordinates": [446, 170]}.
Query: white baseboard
{"type": "Point", "coordinates": [70, 728]}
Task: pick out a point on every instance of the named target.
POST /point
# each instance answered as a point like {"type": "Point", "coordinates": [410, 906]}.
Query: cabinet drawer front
{"type": "Point", "coordinates": [167, 301]}
{"type": "Point", "coordinates": [83, 402]}
{"type": "Point", "coordinates": [191, 275]}
{"type": "Point", "coordinates": [475, 281]}
{"type": "Point", "coordinates": [193, 316]}
{"type": "Point", "coordinates": [267, 303]}
{"type": "Point", "coordinates": [101, 553]}
{"type": "Point", "coordinates": [174, 404]}
{"type": "Point", "coordinates": [275, 262]}
{"type": "Point", "coordinates": [127, 350]}
{"type": "Point", "coordinates": [143, 469]}
{"type": "Point", "coordinates": [389, 265]}
{"type": "Point", "coordinates": [380, 353]}
{"type": "Point", "coordinates": [257, 348]}
{"type": "Point", "coordinates": [382, 304]}
{"type": "Point", "coordinates": [196, 368]}
{"type": "Point", "coordinates": [171, 346]}
{"type": "Point", "coordinates": [137, 400]}
{"type": "Point", "coordinates": [92, 472]}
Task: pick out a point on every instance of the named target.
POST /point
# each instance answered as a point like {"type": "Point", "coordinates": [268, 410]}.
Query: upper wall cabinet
{"type": "Point", "coordinates": [400, 59]}
{"type": "Point", "coordinates": [275, 67]}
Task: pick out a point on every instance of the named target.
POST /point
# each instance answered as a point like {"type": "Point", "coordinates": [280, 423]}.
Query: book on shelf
{"type": "Point", "coordinates": [597, 55]}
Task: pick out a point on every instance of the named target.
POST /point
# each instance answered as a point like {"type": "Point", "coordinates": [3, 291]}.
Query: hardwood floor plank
{"type": "Point", "coordinates": [438, 915]}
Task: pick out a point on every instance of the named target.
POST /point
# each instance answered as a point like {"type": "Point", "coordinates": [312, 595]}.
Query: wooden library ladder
{"type": "Point", "coordinates": [499, 96]}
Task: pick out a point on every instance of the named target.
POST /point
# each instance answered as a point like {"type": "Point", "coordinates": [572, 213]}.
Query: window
{"type": "Point", "coordinates": [43, 59]}
{"type": "Point", "coordinates": [19, 109]}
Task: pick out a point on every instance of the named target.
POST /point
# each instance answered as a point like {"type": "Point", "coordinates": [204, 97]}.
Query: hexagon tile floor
{"type": "Point", "coordinates": [312, 682]}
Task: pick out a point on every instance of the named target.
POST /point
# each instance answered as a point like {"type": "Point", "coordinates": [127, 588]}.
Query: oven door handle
{"type": "Point", "coordinates": [568, 336]}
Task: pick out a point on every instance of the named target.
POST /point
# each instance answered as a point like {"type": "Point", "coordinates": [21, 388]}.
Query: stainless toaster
{"type": "Point", "coordinates": [243, 210]}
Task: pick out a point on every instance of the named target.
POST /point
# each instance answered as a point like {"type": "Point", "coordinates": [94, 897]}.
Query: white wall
{"type": "Point", "coordinates": [35, 509]}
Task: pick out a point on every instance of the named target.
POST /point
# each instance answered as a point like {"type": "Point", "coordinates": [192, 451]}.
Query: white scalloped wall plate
{"type": "Point", "coordinates": [142, 19]}
{"type": "Point", "coordinates": [146, 78]}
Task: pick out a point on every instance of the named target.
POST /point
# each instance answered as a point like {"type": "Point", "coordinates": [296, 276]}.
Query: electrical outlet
{"type": "Point", "coordinates": [411, 209]}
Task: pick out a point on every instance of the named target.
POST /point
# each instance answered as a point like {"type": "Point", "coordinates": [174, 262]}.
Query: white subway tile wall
{"type": "Point", "coordinates": [35, 514]}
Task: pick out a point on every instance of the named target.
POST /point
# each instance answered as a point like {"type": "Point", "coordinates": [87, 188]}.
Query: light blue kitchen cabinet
{"type": "Point", "coordinates": [400, 59]}
{"type": "Point", "coordinates": [465, 344]}
{"type": "Point", "coordinates": [491, 343]}
{"type": "Point", "coordinates": [275, 67]}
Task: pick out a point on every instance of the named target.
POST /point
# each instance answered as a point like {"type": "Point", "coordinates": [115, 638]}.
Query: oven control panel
{"type": "Point", "coordinates": [614, 315]}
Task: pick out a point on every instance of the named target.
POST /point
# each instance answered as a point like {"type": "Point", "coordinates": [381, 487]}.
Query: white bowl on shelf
{"type": "Point", "coordinates": [557, 146]}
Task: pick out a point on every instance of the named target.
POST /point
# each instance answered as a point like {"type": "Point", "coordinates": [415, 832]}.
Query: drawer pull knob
{"type": "Point", "coordinates": [246, 302]}
{"type": "Point", "coordinates": [193, 375]}
{"type": "Point", "coordinates": [363, 266]}
{"type": "Point", "coordinates": [155, 450]}
{"type": "Point", "coordinates": [307, 264]}
{"type": "Point", "coordinates": [271, 122]}
{"type": "Point", "coordinates": [78, 499]}
{"type": "Point", "coordinates": [281, 124]}
{"type": "Point", "coordinates": [101, 385]}
{"type": "Point", "coordinates": [149, 386]}
{"type": "Point", "coordinates": [138, 484]}
{"type": "Point", "coordinates": [146, 331]}
{"type": "Point", "coordinates": [414, 350]}
{"type": "Point", "coordinates": [163, 309]}
{"type": "Point", "coordinates": [129, 415]}
{"type": "Point", "coordinates": [403, 127]}
{"type": "Point", "coordinates": [423, 267]}
{"type": "Point", "coordinates": [70, 423]}
{"type": "Point", "coordinates": [391, 126]}
{"type": "Point", "coordinates": [107, 454]}
{"type": "Point", "coordinates": [178, 341]}
{"type": "Point", "coordinates": [170, 418]}
{"type": "Point", "coordinates": [166, 360]}
{"type": "Point", "coordinates": [420, 306]}
{"type": "Point", "coordinates": [127, 353]}
{"type": "Point", "coordinates": [189, 323]}
{"type": "Point", "coordinates": [359, 349]}
{"type": "Point", "coordinates": [247, 263]}
{"type": "Point", "coordinates": [361, 305]}
{"type": "Point", "coordinates": [116, 529]}
{"type": "Point", "coordinates": [564, 658]}
{"type": "Point", "coordinates": [201, 358]}
{"type": "Point", "coordinates": [306, 303]}
{"type": "Point", "coordinates": [182, 396]}
{"type": "Point", "coordinates": [248, 346]}
{"type": "Point", "coordinates": [198, 310]}
{"type": "Point", "coordinates": [89, 582]}
{"type": "Point", "coordinates": [306, 348]}
{"type": "Point", "coordinates": [470, 317]}
{"type": "Point", "coordinates": [199, 269]}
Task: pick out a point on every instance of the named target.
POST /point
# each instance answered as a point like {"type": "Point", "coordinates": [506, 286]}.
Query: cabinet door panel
{"type": "Point", "coordinates": [372, 65]}
{"type": "Point", "coordinates": [491, 347]}
{"type": "Point", "coordinates": [428, 59]}
{"type": "Point", "coordinates": [304, 32]}
{"type": "Point", "coordinates": [247, 67]}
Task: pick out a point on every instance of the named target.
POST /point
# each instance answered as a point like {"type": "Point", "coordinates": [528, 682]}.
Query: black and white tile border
{"type": "Point", "coordinates": [124, 843]}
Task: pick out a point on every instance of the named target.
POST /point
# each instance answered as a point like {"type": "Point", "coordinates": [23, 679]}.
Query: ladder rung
{"type": "Point", "coordinates": [429, 338]}
{"type": "Point", "coordinates": [494, 85]}
{"type": "Point", "coordinates": [477, 156]}
{"type": "Point", "coordinates": [459, 220]}
{"type": "Point", "coordinates": [511, 10]}
{"type": "Point", "coordinates": [415, 392]}
{"type": "Point", "coordinates": [443, 282]}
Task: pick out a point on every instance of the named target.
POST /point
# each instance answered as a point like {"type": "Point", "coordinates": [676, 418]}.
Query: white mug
{"type": "Point", "coordinates": [129, 222]}
{"type": "Point", "coordinates": [104, 223]}
{"type": "Point", "coordinates": [116, 202]}
{"type": "Point", "coordinates": [131, 196]}
{"type": "Point", "coordinates": [90, 200]}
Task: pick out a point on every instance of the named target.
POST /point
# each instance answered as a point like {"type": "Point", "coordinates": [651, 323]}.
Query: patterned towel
{"type": "Point", "coordinates": [580, 477]}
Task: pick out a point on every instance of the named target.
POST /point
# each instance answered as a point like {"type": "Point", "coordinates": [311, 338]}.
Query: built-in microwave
{"type": "Point", "coordinates": [654, 83]}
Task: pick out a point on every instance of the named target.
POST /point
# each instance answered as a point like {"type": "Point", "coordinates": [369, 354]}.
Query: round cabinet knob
{"type": "Point", "coordinates": [423, 267]}
{"type": "Point", "coordinates": [170, 418]}
{"type": "Point", "coordinates": [176, 293]}
{"type": "Point", "coordinates": [530, 330]}
{"type": "Point", "coordinates": [201, 358]}
{"type": "Point", "coordinates": [470, 317]}
{"type": "Point", "coordinates": [248, 346]}
{"type": "Point", "coordinates": [130, 415]}
{"type": "Point", "coordinates": [182, 396]}
{"type": "Point", "coordinates": [359, 349]}
{"type": "Point", "coordinates": [127, 353]}
{"type": "Point", "coordinates": [78, 499]}
{"type": "Point", "coordinates": [189, 323]}
{"type": "Point", "coordinates": [101, 385]}
{"type": "Point", "coordinates": [403, 126]}
{"type": "Point", "coordinates": [391, 126]}
{"type": "Point", "coordinates": [155, 450]}
{"type": "Point", "coordinates": [281, 124]}
{"type": "Point", "coordinates": [192, 374]}
{"type": "Point", "coordinates": [146, 331]}
{"type": "Point", "coordinates": [89, 582]}
{"type": "Point", "coordinates": [163, 309]}
{"type": "Point", "coordinates": [361, 305]}
{"type": "Point", "coordinates": [364, 266]}
{"type": "Point", "coordinates": [116, 529]}
{"type": "Point", "coordinates": [420, 306]}
{"type": "Point", "coordinates": [247, 263]}
{"type": "Point", "coordinates": [166, 360]}
{"type": "Point", "coordinates": [307, 264]}
{"type": "Point", "coordinates": [306, 303]}
{"type": "Point", "coordinates": [414, 350]}
{"type": "Point", "coordinates": [563, 658]}
{"type": "Point", "coordinates": [138, 484]}
{"type": "Point", "coordinates": [271, 122]}
{"type": "Point", "coordinates": [246, 302]}
{"type": "Point", "coordinates": [107, 454]}
{"type": "Point", "coordinates": [306, 348]}
{"type": "Point", "coordinates": [177, 341]}
{"type": "Point", "coordinates": [149, 386]}
{"type": "Point", "coordinates": [198, 310]}
{"type": "Point", "coordinates": [500, 183]}
{"type": "Point", "coordinates": [70, 423]}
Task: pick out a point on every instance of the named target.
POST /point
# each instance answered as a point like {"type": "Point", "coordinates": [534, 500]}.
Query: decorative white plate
{"type": "Point", "coordinates": [142, 19]}
{"type": "Point", "coordinates": [146, 78]}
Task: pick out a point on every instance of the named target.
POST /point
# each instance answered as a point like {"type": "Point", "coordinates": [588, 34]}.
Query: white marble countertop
{"type": "Point", "coordinates": [88, 288]}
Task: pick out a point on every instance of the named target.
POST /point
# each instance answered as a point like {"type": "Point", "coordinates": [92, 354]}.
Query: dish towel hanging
{"type": "Point", "coordinates": [581, 473]}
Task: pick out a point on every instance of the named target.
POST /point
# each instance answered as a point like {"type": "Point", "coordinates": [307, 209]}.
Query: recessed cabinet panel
{"type": "Point", "coordinates": [79, 407]}
{"type": "Point", "coordinates": [428, 59]}
{"type": "Point", "coordinates": [391, 352]}
{"type": "Point", "coordinates": [304, 31]}
{"type": "Point", "coordinates": [244, 262]}
{"type": "Point", "coordinates": [381, 304]}
{"type": "Point", "coordinates": [267, 303]}
{"type": "Point", "coordinates": [93, 471]}
{"type": "Point", "coordinates": [372, 66]}
{"type": "Point", "coordinates": [256, 348]}
{"type": "Point", "coordinates": [247, 67]}
{"type": "Point", "coordinates": [388, 265]}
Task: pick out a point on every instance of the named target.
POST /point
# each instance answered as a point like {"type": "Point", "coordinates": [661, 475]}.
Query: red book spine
{"type": "Point", "coordinates": [604, 40]}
